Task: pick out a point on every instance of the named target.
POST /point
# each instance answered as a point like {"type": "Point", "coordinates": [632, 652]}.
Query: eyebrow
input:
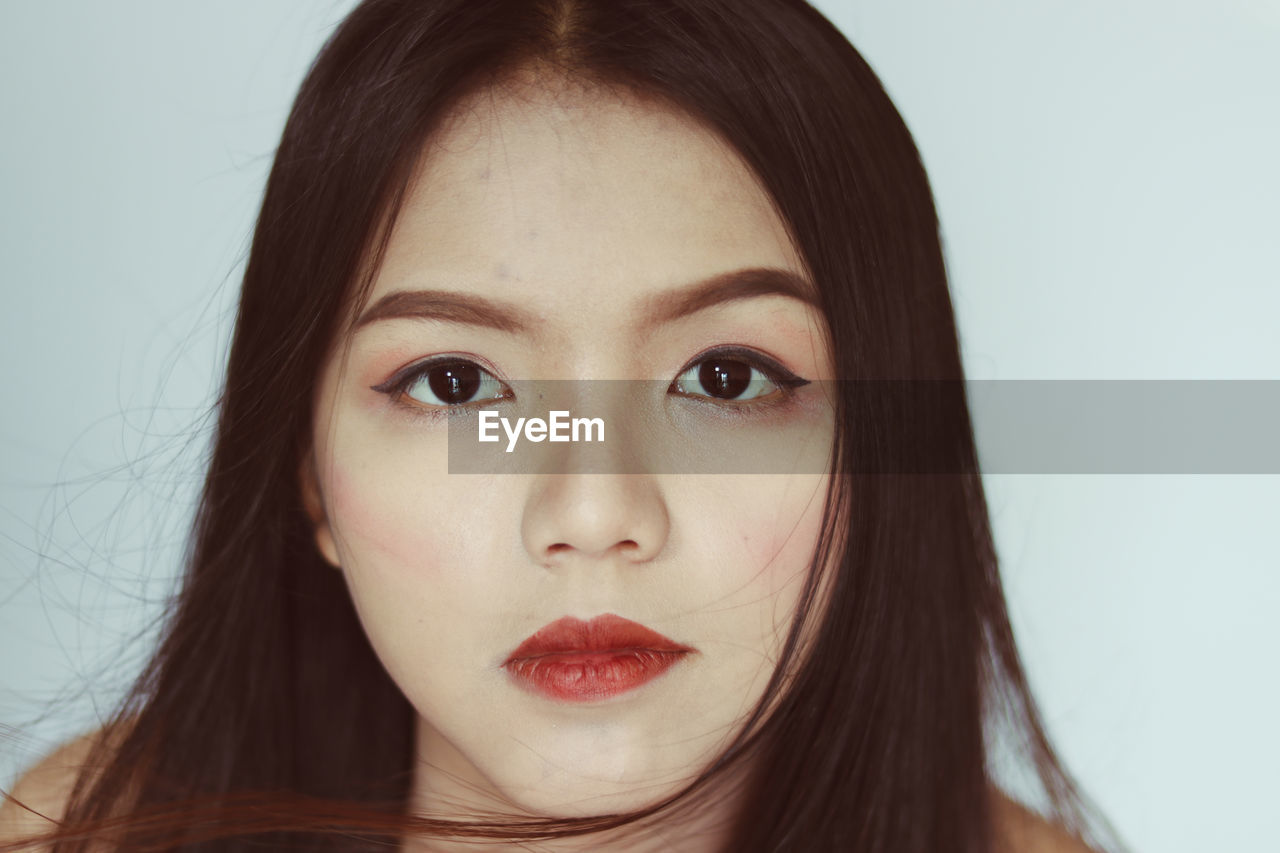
{"type": "Point", "coordinates": [728, 287]}
{"type": "Point", "coordinates": [468, 309]}
{"type": "Point", "coordinates": [448, 306]}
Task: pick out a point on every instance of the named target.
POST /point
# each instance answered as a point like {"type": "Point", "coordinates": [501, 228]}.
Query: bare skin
{"type": "Point", "coordinates": [44, 789]}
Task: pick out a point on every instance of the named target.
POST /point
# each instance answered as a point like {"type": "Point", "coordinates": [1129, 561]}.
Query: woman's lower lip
{"type": "Point", "coordinates": [589, 676]}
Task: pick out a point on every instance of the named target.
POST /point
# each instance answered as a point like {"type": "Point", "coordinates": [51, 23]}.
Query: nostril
{"type": "Point", "coordinates": [626, 546]}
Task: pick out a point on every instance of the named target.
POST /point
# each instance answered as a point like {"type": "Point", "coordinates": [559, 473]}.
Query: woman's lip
{"type": "Point", "coordinates": [575, 661]}
{"type": "Point", "coordinates": [602, 634]}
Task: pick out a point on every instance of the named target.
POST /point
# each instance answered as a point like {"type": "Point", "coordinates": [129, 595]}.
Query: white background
{"type": "Point", "coordinates": [1107, 180]}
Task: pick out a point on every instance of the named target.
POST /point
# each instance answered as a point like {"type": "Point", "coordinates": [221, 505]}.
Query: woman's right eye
{"type": "Point", "coordinates": [444, 383]}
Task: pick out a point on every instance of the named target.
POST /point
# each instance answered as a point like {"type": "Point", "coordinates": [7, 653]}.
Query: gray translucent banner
{"type": "Point", "coordinates": [894, 426]}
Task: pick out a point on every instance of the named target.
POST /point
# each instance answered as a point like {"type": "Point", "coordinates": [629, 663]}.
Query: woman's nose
{"type": "Point", "coordinates": [594, 515]}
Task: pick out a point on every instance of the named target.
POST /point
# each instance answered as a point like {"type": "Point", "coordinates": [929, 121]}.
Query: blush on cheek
{"type": "Point", "coordinates": [781, 536]}
{"type": "Point", "coordinates": [378, 520]}
{"type": "Point", "coordinates": [413, 531]}
{"type": "Point", "coordinates": [786, 556]}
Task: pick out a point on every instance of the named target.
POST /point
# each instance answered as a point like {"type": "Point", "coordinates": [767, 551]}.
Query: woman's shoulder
{"type": "Point", "coordinates": [39, 798]}
{"type": "Point", "coordinates": [1020, 830]}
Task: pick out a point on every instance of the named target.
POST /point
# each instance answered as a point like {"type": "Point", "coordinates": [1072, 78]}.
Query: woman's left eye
{"type": "Point", "coordinates": [734, 377]}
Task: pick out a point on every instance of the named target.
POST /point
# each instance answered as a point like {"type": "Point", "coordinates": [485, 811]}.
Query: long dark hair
{"type": "Point", "coordinates": [266, 718]}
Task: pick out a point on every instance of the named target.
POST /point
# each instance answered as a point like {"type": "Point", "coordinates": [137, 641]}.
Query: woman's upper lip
{"type": "Point", "coordinates": [604, 633]}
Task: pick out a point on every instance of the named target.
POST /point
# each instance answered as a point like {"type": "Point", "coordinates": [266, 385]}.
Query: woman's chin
{"type": "Point", "coordinates": [573, 792]}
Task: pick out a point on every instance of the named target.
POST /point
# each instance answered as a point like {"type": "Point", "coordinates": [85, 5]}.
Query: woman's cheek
{"type": "Point", "coordinates": [417, 581]}
{"type": "Point", "coordinates": [386, 506]}
{"type": "Point", "coordinates": [771, 524]}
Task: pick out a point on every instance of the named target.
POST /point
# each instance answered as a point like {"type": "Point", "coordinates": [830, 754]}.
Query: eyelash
{"type": "Point", "coordinates": [785, 382]}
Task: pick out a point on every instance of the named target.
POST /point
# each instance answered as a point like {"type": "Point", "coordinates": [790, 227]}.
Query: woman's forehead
{"type": "Point", "coordinates": [576, 199]}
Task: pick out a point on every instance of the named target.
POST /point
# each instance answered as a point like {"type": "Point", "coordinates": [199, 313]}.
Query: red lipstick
{"type": "Point", "coordinates": [575, 661]}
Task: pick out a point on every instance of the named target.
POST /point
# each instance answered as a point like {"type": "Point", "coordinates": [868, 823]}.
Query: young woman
{"type": "Point", "coordinates": [745, 620]}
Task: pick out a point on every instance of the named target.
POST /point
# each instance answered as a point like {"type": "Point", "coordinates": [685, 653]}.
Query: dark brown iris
{"type": "Point", "coordinates": [454, 383]}
{"type": "Point", "coordinates": [724, 379]}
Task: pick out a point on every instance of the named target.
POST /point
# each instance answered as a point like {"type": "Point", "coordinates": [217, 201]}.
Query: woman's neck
{"type": "Point", "coordinates": [448, 787]}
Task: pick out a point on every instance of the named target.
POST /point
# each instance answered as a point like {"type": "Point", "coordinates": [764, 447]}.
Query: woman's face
{"type": "Point", "coordinates": [553, 233]}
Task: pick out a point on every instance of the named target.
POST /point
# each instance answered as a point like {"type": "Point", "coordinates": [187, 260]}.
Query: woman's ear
{"type": "Point", "coordinates": [313, 503]}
